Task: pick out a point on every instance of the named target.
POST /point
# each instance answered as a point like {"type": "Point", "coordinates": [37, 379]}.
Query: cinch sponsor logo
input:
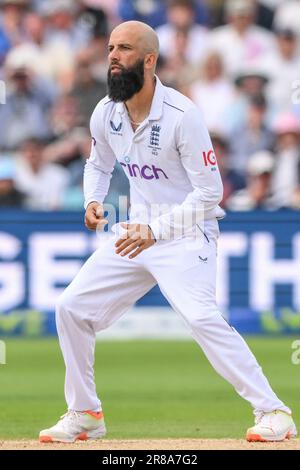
{"type": "Point", "coordinates": [209, 158]}
{"type": "Point", "coordinates": [147, 172]}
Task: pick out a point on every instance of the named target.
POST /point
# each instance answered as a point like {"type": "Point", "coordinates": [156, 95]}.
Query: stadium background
{"type": "Point", "coordinates": [53, 71]}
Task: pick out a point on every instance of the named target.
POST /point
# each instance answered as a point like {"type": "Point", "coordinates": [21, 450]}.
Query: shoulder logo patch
{"type": "Point", "coordinates": [116, 129]}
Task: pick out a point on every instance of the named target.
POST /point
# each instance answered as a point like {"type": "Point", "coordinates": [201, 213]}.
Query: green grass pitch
{"type": "Point", "coordinates": [149, 389]}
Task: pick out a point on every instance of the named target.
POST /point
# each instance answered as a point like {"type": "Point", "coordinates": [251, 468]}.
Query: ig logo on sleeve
{"type": "Point", "coordinates": [209, 158]}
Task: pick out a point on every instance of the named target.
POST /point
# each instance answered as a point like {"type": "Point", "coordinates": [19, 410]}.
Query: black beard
{"type": "Point", "coordinates": [125, 84]}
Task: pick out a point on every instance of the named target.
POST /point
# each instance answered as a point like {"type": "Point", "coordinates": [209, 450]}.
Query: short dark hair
{"type": "Point", "coordinates": [182, 3]}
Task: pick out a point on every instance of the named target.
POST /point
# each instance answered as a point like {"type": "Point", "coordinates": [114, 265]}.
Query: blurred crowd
{"type": "Point", "coordinates": [238, 60]}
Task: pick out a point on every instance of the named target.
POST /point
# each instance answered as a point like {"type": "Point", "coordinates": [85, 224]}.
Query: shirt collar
{"type": "Point", "coordinates": [157, 102]}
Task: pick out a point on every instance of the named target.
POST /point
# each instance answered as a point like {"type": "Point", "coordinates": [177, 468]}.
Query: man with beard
{"type": "Point", "coordinates": [160, 140]}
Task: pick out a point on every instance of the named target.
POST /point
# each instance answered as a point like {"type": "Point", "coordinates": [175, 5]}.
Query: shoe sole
{"type": "Point", "coordinates": [259, 438]}
{"type": "Point", "coordinates": [84, 436]}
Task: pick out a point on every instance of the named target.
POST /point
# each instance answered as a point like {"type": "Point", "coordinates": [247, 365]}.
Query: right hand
{"type": "Point", "coordinates": [94, 216]}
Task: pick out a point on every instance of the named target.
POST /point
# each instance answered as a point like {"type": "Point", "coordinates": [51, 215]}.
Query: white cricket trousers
{"type": "Point", "coordinates": [108, 285]}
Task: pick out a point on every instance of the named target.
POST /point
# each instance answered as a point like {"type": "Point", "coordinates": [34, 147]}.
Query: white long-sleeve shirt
{"type": "Point", "coordinates": [173, 173]}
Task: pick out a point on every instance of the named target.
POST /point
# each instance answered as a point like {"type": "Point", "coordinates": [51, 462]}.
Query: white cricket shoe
{"type": "Point", "coordinates": [76, 426]}
{"type": "Point", "coordinates": [273, 426]}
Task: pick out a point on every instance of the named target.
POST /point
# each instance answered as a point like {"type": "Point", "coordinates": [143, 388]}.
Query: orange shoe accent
{"type": "Point", "coordinates": [82, 437]}
{"type": "Point", "coordinates": [46, 439]}
{"type": "Point", "coordinates": [255, 438]}
{"type": "Point", "coordinates": [95, 414]}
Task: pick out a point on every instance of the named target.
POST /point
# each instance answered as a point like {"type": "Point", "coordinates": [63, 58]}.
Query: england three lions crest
{"type": "Point", "coordinates": [155, 139]}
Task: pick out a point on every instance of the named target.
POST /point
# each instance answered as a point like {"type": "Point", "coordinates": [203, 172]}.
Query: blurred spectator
{"type": "Point", "coordinates": [86, 90]}
{"type": "Point", "coordinates": [43, 183]}
{"type": "Point", "coordinates": [265, 10]}
{"type": "Point", "coordinates": [232, 181]}
{"type": "Point", "coordinates": [64, 116]}
{"type": "Point", "coordinates": [54, 57]}
{"type": "Point", "coordinates": [33, 45]}
{"type": "Point", "coordinates": [11, 31]}
{"type": "Point", "coordinates": [50, 52]}
{"type": "Point", "coordinates": [153, 12]}
{"type": "Point", "coordinates": [108, 7]}
{"type": "Point", "coordinates": [287, 16]}
{"type": "Point", "coordinates": [96, 22]}
{"type": "Point", "coordinates": [252, 136]}
{"type": "Point", "coordinates": [286, 180]}
{"type": "Point", "coordinates": [32, 52]}
{"type": "Point", "coordinates": [68, 133]}
{"type": "Point", "coordinates": [76, 167]}
{"type": "Point", "coordinates": [257, 194]}
{"type": "Point", "coordinates": [98, 55]}
{"type": "Point", "coordinates": [181, 26]}
{"type": "Point", "coordinates": [9, 195]}
{"type": "Point", "coordinates": [150, 11]}
{"type": "Point", "coordinates": [283, 68]}
{"type": "Point", "coordinates": [243, 41]}
{"type": "Point", "coordinates": [176, 71]}
{"type": "Point", "coordinates": [91, 18]}
{"type": "Point", "coordinates": [25, 112]}
{"type": "Point", "coordinates": [60, 16]}
{"type": "Point", "coordinates": [213, 92]}
{"type": "Point", "coordinates": [63, 38]}
{"type": "Point", "coordinates": [249, 83]}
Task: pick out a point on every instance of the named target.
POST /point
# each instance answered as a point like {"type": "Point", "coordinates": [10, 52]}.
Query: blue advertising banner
{"type": "Point", "coordinates": [258, 276]}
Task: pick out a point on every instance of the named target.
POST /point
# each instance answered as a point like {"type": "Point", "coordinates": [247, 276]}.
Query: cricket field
{"type": "Point", "coordinates": [152, 392]}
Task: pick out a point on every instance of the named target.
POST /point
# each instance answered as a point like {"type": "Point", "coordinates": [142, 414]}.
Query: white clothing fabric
{"type": "Point", "coordinates": [214, 99]}
{"type": "Point", "coordinates": [45, 189]}
{"type": "Point", "coordinates": [107, 285]}
{"type": "Point", "coordinates": [169, 161]}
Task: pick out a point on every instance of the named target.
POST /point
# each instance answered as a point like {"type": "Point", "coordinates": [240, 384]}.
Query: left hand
{"type": "Point", "coordinates": [137, 238]}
